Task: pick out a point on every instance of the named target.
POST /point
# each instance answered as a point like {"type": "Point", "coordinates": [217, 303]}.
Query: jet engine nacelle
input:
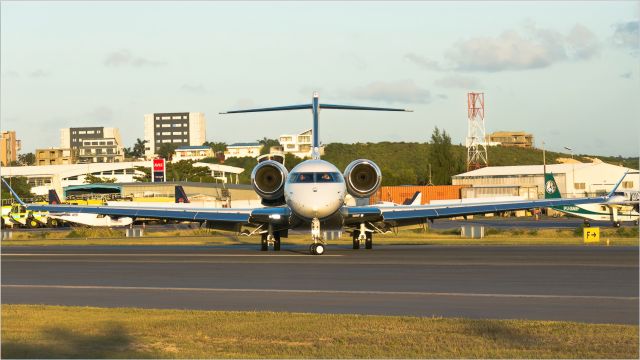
{"type": "Point", "coordinates": [363, 178]}
{"type": "Point", "coordinates": [268, 179]}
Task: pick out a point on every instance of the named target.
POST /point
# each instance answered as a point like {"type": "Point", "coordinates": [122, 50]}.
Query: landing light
{"type": "Point", "coordinates": [274, 216]}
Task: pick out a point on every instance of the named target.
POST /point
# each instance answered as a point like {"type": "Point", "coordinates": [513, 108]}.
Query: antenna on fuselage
{"type": "Point", "coordinates": [315, 107]}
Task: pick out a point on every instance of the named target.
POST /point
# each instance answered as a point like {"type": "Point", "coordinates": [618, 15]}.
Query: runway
{"type": "Point", "coordinates": [586, 284]}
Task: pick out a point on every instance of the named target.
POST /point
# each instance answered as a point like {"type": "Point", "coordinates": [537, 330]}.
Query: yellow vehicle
{"type": "Point", "coordinates": [17, 215]}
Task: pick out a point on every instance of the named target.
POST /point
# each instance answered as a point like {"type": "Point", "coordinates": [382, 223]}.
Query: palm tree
{"type": "Point", "coordinates": [139, 148]}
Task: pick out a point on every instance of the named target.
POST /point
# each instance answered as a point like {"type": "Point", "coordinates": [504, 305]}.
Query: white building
{"type": "Point", "coordinates": [299, 145]}
{"type": "Point", "coordinates": [574, 180]}
{"type": "Point", "coordinates": [224, 173]}
{"type": "Point", "coordinates": [45, 177]}
{"type": "Point", "coordinates": [93, 144]}
{"type": "Point", "coordinates": [243, 150]}
{"type": "Point", "coordinates": [181, 129]}
{"type": "Point", "coordinates": [194, 153]}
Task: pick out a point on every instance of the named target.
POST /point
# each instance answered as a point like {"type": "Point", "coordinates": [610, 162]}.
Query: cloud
{"type": "Point", "coordinates": [194, 88]}
{"type": "Point", "coordinates": [423, 62]}
{"type": "Point", "coordinates": [101, 114]}
{"type": "Point", "coordinates": [126, 58]}
{"type": "Point", "coordinates": [39, 73]}
{"type": "Point", "coordinates": [403, 91]}
{"type": "Point", "coordinates": [528, 48]}
{"type": "Point", "coordinates": [627, 35]}
{"type": "Point", "coordinates": [458, 82]}
{"type": "Point", "coordinates": [581, 43]}
{"type": "Point", "coordinates": [627, 75]}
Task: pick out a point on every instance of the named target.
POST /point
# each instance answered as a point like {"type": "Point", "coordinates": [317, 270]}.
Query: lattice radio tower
{"type": "Point", "coordinates": [476, 141]}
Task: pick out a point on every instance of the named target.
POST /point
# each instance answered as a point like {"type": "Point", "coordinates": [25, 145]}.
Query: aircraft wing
{"type": "Point", "coordinates": [215, 218]}
{"type": "Point", "coordinates": [410, 215]}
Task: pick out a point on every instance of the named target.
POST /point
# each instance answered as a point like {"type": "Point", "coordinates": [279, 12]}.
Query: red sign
{"type": "Point", "coordinates": [158, 164]}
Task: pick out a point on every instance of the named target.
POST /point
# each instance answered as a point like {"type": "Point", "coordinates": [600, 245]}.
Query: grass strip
{"type": "Point", "coordinates": [37, 331]}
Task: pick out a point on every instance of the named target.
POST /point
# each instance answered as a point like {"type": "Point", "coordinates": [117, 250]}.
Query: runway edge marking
{"type": "Point", "coordinates": [292, 291]}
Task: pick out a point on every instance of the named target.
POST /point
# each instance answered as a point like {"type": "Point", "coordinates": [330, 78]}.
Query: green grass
{"type": "Point", "coordinates": [35, 331]}
{"type": "Point", "coordinates": [202, 237]}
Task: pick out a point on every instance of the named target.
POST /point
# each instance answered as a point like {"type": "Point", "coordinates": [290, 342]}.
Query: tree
{"type": "Point", "coordinates": [216, 146]}
{"type": "Point", "coordinates": [443, 160]}
{"type": "Point", "coordinates": [92, 179]}
{"type": "Point", "coordinates": [139, 148]}
{"type": "Point", "coordinates": [20, 185]}
{"type": "Point", "coordinates": [267, 144]}
{"type": "Point", "coordinates": [291, 161]}
{"type": "Point", "coordinates": [166, 151]}
{"type": "Point", "coordinates": [27, 159]}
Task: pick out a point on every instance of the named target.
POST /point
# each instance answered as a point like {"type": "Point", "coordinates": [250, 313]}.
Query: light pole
{"type": "Point", "coordinates": [570, 150]}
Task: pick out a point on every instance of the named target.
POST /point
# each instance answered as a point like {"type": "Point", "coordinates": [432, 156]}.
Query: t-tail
{"type": "Point", "coordinates": [315, 107]}
{"type": "Point", "coordinates": [181, 196]}
{"type": "Point", "coordinates": [53, 197]}
{"type": "Point", "coordinates": [551, 190]}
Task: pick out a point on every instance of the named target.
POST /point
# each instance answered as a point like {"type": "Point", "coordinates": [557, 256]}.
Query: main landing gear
{"type": "Point", "coordinates": [317, 247]}
{"type": "Point", "coordinates": [362, 235]}
{"type": "Point", "coordinates": [270, 238]}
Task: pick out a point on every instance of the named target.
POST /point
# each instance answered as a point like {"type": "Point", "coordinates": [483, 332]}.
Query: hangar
{"type": "Point", "coordinates": [573, 179]}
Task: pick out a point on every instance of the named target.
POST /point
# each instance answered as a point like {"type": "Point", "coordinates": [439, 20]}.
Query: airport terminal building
{"type": "Point", "coordinates": [574, 180]}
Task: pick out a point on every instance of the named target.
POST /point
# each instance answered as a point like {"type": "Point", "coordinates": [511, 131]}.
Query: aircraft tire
{"type": "Point", "coordinates": [616, 224]}
{"type": "Point", "coordinates": [368, 243]}
{"type": "Point", "coordinates": [316, 249]}
{"type": "Point", "coordinates": [276, 242]}
{"type": "Point", "coordinates": [356, 242]}
{"type": "Point", "coordinates": [264, 245]}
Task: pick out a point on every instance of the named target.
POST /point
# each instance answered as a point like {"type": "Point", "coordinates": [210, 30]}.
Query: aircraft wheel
{"type": "Point", "coordinates": [587, 224]}
{"type": "Point", "coordinates": [276, 242]}
{"type": "Point", "coordinates": [316, 249]}
{"type": "Point", "coordinates": [264, 245]}
{"type": "Point", "coordinates": [356, 242]}
{"type": "Point", "coordinates": [368, 242]}
{"type": "Point", "coordinates": [616, 224]}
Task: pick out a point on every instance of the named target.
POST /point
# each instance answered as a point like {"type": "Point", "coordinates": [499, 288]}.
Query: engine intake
{"type": "Point", "coordinates": [268, 179]}
{"type": "Point", "coordinates": [363, 178]}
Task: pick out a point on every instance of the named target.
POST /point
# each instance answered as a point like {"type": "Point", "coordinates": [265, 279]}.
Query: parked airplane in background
{"type": "Point", "coordinates": [312, 197]}
{"type": "Point", "coordinates": [620, 207]}
{"type": "Point", "coordinates": [89, 219]}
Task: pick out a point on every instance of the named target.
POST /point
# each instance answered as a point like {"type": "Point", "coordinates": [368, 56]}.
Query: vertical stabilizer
{"type": "Point", "coordinates": [53, 197]}
{"type": "Point", "coordinates": [181, 196]}
{"type": "Point", "coordinates": [551, 190]}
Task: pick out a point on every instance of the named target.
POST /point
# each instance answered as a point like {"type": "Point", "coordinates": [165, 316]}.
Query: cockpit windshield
{"type": "Point", "coordinates": [316, 177]}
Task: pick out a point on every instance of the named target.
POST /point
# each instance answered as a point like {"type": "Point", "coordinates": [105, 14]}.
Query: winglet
{"type": "Point", "coordinates": [13, 192]}
{"type": "Point", "coordinates": [617, 184]}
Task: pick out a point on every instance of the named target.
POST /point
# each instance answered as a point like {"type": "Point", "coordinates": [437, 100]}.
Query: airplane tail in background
{"type": "Point", "coordinates": [416, 199]}
{"type": "Point", "coordinates": [53, 198]}
{"type": "Point", "coordinates": [181, 196]}
{"type": "Point", "coordinates": [551, 190]}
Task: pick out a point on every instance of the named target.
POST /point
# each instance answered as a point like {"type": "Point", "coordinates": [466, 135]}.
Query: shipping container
{"type": "Point", "coordinates": [404, 193]}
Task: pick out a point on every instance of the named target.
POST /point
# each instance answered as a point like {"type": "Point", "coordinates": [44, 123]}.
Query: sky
{"type": "Point", "coordinates": [568, 72]}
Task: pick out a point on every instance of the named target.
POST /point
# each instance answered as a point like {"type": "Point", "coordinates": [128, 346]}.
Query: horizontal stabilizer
{"type": "Point", "coordinates": [352, 107]}
{"type": "Point", "coordinates": [278, 108]}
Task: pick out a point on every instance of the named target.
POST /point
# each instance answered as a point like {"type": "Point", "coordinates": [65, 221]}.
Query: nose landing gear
{"type": "Point", "coordinates": [317, 247]}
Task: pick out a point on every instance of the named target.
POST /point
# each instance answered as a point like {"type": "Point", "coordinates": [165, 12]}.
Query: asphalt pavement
{"type": "Point", "coordinates": [576, 283]}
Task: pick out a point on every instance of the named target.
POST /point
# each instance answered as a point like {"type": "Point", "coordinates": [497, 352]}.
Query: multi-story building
{"type": "Point", "coordinates": [510, 138]}
{"type": "Point", "coordinates": [299, 145]}
{"type": "Point", "coordinates": [56, 156]}
{"type": "Point", "coordinates": [181, 129]}
{"type": "Point", "coordinates": [9, 147]}
{"type": "Point", "coordinates": [194, 153]}
{"type": "Point", "coordinates": [243, 150]}
{"type": "Point", "coordinates": [104, 150]}
{"type": "Point", "coordinates": [93, 144]}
